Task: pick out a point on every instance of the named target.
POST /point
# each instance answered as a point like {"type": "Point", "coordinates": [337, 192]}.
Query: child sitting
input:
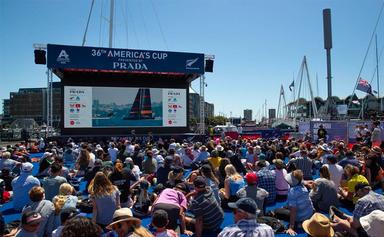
{"type": "Point", "coordinates": [160, 221]}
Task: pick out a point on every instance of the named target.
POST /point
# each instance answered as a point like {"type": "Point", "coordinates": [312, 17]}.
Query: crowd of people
{"type": "Point", "coordinates": [186, 188]}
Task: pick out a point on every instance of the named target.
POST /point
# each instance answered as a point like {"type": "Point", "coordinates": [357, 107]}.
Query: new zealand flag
{"type": "Point", "coordinates": [364, 86]}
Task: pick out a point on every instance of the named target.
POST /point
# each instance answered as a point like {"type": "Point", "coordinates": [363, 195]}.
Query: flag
{"type": "Point", "coordinates": [364, 86]}
{"type": "Point", "coordinates": [292, 85]}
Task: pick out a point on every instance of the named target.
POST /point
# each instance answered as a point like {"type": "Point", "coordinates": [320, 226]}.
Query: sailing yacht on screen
{"type": "Point", "coordinates": [141, 108]}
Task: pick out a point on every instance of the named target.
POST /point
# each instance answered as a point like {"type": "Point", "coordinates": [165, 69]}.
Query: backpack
{"type": "Point", "coordinates": [276, 224]}
{"type": "Point", "coordinates": [85, 206]}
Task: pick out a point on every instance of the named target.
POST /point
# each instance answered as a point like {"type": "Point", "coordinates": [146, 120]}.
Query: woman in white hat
{"type": "Point", "coordinates": [125, 225]}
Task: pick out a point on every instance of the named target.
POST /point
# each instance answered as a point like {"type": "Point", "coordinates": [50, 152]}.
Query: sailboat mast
{"type": "Point", "coordinates": [111, 13]}
{"type": "Point", "coordinates": [377, 70]}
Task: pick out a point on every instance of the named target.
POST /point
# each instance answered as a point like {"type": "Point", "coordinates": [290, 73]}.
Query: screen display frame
{"type": "Point", "coordinates": [120, 107]}
{"type": "Point", "coordinates": [89, 80]}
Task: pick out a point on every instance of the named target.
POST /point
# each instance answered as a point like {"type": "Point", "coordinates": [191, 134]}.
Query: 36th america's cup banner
{"type": "Point", "coordinates": [94, 58]}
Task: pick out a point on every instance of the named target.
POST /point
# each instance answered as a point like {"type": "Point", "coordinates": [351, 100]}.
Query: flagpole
{"type": "Point", "coordinates": [294, 97]}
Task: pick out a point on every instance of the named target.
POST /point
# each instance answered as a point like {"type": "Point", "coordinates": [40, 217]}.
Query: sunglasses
{"type": "Point", "coordinates": [117, 226]}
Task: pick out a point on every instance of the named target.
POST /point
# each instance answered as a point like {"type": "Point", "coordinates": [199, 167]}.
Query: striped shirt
{"type": "Point", "coordinates": [304, 164]}
{"type": "Point", "coordinates": [205, 205]}
{"type": "Point", "coordinates": [247, 228]}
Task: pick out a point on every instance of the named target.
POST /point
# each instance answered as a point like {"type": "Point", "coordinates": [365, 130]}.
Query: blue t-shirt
{"type": "Point", "coordinates": [21, 186]}
{"type": "Point", "coordinates": [235, 185]}
{"type": "Point", "coordinates": [298, 197]}
{"type": "Point", "coordinates": [106, 206]}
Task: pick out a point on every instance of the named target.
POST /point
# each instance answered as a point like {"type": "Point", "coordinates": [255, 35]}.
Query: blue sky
{"type": "Point", "coordinates": [258, 45]}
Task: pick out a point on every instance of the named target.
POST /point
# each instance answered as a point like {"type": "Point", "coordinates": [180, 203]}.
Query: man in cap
{"type": "Point", "coordinates": [30, 222]}
{"type": "Point", "coordinates": [368, 202]}
{"type": "Point", "coordinates": [245, 211]}
{"type": "Point", "coordinates": [21, 186]}
{"type": "Point", "coordinates": [253, 191]}
{"type": "Point", "coordinates": [207, 211]}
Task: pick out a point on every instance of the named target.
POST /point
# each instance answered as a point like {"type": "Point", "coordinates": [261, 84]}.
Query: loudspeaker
{"type": "Point", "coordinates": [40, 57]}
{"type": "Point", "coordinates": [209, 65]}
{"type": "Point", "coordinates": [327, 26]}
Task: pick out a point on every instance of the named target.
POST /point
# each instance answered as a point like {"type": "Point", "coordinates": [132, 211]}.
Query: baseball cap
{"type": "Point", "coordinates": [251, 178]}
{"type": "Point", "coordinates": [68, 213]}
{"type": "Point", "coordinates": [361, 186]}
{"type": "Point", "coordinates": [200, 182]}
{"type": "Point", "coordinates": [245, 204]}
{"type": "Point", "coordinates": [31, 218]}
{"type": "Point", "coordinates": [26, 167]}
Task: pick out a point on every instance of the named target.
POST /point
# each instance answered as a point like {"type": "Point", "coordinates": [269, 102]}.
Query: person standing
{"type": "Point", "coordinates": [376, 134]}
{"type": "Point", "coordinates": [322, 133]}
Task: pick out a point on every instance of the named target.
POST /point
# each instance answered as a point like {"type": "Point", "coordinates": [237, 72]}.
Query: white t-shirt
{"type": "Point", "coordinates": [130, 148]}
{"type": "Point", "coordinates": [92, 159]}
{"type": "Point", "coordinates": [113, 153]}
{"type": "Point", "coordinates": [336, 172]}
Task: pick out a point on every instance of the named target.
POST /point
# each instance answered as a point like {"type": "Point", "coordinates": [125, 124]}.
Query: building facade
{"type": "Point", "coordinates": [248, 115]}
{"type": "Point", "coordinates": [31, 103]}
{"type": "Point", "coordinates": [194, 107]}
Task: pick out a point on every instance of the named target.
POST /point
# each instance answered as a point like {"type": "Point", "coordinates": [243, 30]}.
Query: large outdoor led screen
{"type": "Point", "coordinates": [111, 107]}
